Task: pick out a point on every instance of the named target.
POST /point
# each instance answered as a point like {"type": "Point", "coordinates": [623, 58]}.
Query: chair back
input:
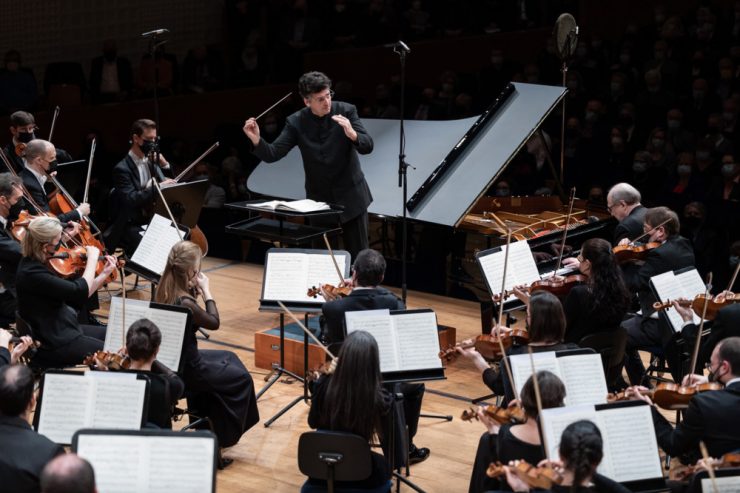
{"type": "Point", "coordinates": [334, 456]}
{"type": "Point", "coordinates": [611, 346]}
{"type": "Point", "coordinates": [160, 409]}
{"type": "Point", "coordinates": [23, 327]}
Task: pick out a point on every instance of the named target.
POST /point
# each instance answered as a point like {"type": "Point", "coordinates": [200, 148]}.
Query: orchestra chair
{"type": "Point", "coordinates": [658, 365]}
{"type": "Point", "coordinates": [160, 411]}
{"type": "Point", "coordinates": [197, 422]}
{"type": "Point", "coordinates": [35, 363]}
{"type": "Point", "coordinates": [611, 346]}
{"type": "Point", "coordinates": [335, 456]}
{"type": "Point", "coordinates": [695, 484]}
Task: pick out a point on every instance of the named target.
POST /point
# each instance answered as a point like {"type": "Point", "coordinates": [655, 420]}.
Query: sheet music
{"type": "Point", "coordinates": [378, 324]}
{"type": "Point", "coordinates": [149, 464]}
{"type": "Point", "coordinates": [521, 367]}
{"type": "Point", "coordinates": [725, 484]}
{"type": "Point", "coordinates": [521, 269]}
{"type": "Point", "coordinates": [172, 325]}
{"type": "Point", "coordinates": [670, 286]}
{"type": "Point", "coordinates": [321, 267]}
{"type": "Point", "coordinates": [583, 376]}
{"type": "Point", "coordinates": [285, 276]}
{"type": "Point", "coordinates": [65, 406]}
{"type": "Point", "coordinates": [630, 446]}
{"type": "Point", "coordinates": [119, 405]}
{"type": "Point", "coordinates": [418, 342]}
{"type": "Point", "coordinates": [555, 419]}
{"type": "Point", "coordinates": [155, 245]}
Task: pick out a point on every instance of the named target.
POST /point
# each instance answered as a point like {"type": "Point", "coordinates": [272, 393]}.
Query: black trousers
{"type": "Point", "coordinates": [649, 334]}
{"type": "Point", "coordinates": [405, 414]}
{"type": "Point", "coordinates": [74, 352]}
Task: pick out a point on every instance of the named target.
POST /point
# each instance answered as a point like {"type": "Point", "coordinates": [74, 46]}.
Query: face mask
{"type": "Point", "coordinates": [25, 137]}
{"type": "Point", "coordinates": [728, 170]}
{"type": "Point", "coordinates": [53, 166]}
{"type": "Point", "coordinates": [658, 143]}
{"type": "Point", "coordinates": [147, 147]}
{"type": "Point", "coordinates": [674, 124]}
{"type": "Point", "coordinates": [271, 128]}
{"type": "Point", "coordinates": [653, 89]}
{"type": "Point", "coordinates": [502, 192]}
{"type": "Point", "coordinates": [591, 116]}
{"type": "Point", "coordinates": [626, 120]}
{"type": "Point", "coordinates": [639, 167]}
{"type": "Point", "coordinates": [734, 259]}
{"type": "Point", "coordinates": [713, 377]}
{"type": "Point", "coordinates": [683, 169]}
{"type": "Point", "coordinates": [703, 155]}
{"type": "Point", "coordinates": [596, 198]}
{"type": "Point", "coordinates": [447, 87]}
{"type": "Point", "coordinates": [616, 141]}
{"type": "Point", "coordinates": [496, 60]}
{"type": "Point", "coordinates": [698, 94]}
{"type": "Point", "coordinates": [616, 87]}
{"type": "Point", "coordinates": [625, 59]}
{"type": "Point", "coordinates": [340, 8]}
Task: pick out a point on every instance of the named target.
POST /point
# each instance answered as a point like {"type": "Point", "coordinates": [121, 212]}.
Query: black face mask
{"type": "Point", "coordinates": [147, 147]}
{"type": "Point", "coordinates": [15, 209]}
{"type": "Point", "coordinates": [25, 137]}
{"type": "Point", "coordinates": [53, 166]}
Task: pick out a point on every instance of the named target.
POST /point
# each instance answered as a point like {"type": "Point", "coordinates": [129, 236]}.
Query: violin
{"type": "Point", "coordinates": [558, 285]}
{"type": "Point", "coordinates": [627, 253]}
{"type": "Point", "coordinates": [714, 304]}
{"type": "Point", "coordinates": [19, 228]}
{"type": "Point", "coordinates": [339, 292]}
{"type": "Point", "coordinates": [511, 415]}
{"type": "Point", "coordinates": [487, 344]}
{"type": "Point", "coordinates": [730, 459]}
{"type": "Point", "coordinates": [327, 368]}
{"type": "Point", "coordinates": [672, 396]}
{"type": "Point", "coordinates": [69, 262]}
{"type": "Point", "coordinates": [543, 477]}
{"type": "Point", "coordinates": [20, 149]}
{"type": "Point", "coordinates": [111, 361]}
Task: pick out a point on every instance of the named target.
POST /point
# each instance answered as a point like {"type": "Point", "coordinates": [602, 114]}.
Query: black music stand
{"type": "Point", "coordinates": [185, 201]}
{"type": "Point", "coordinates": [305, 306]}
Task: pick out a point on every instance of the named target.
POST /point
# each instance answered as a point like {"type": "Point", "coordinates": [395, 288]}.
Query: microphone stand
{"type": "Point", "coordinates": [156, 170]}
{"type": "Point", "coordinates": [403, 166]}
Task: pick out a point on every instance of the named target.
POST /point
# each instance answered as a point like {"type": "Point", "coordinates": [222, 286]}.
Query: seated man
{"type": "Point", "coordinates": [25, 452]}
{"type": "Point", "coordinates": [68, 473]}
{"type": "Point", "coordinates": [367, 273]}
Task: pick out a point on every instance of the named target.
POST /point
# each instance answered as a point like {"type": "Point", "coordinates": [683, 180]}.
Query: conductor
{"type": "Point", "coordinates": [329, 135]}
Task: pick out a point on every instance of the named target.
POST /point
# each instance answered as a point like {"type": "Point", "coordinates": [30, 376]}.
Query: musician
{"type": "Point", "coordinates": [68, 473]}
{"type": "Point", "coordinates": [546, 325]}
{"type": "Point", "coordinates": [505, 443]}
{"type": "Point", "coordinates": [329, 135]}
{"type": "Point", "coordinates": [218, 384]}
{"type": "Point", "coordinates": [22, 130]}
{"type": "Point", "coordinates": [711, 416]}
{"type": "Point", "coordinates": [726, 324]}
{"type": "Point", "coordinates": [581, 450]}
{"type": "Point", "coordinates": [675, 252]}
{"type": "Point", "coordinates": [623, 203]}
{"type": "Point", "coordinates": [40, 158]}
{"type": "Point", "coordinates": [44, 298]}
{"type": "Point", "coordinates": [25, 452]}
{"type": "Point", "coordinates": [133, 195]}
{"type": "Point", "coordinates": [367, 274]}
{"type": "Point", "coordinates": [338, 403]}
{"type": "Point", "coordinates": [10, 249]}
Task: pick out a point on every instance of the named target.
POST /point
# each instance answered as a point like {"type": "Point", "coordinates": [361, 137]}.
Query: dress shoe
{"type": "Point", "coordinates": [417, 454]}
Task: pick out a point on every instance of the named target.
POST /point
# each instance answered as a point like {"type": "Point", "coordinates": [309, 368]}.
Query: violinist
{"type": "Point", "coordinates": [12, 357]}
{"type": "Point", "coordinates": [711, 416]}
{"type": "Point", "coordinates": [10, 249]}
{"type": "Point", "coordinates": [505, 443]}
{"type": "Point", "coordinates": [41, 159]}
{"type": "Point", "coordinates": [674, 252]}
{"type": "Point", "coordinates": [133, 195]}
{"type": "Point", "coordinates": [546, 326]}
{"type": "Point", "coordinates": [44, 298]}
{"type": "Point", "coordinates": [23, 130]}
{"type": "Point", "coordinates": [726, 324]}
{"type": "Point", "coordinates": [368, 271]}
{"type": "Point", "coordinates": [623, 203]}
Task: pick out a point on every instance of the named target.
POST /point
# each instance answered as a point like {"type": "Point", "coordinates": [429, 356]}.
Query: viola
{"type": "Point", "coordinates": [327, 368]}
{"type": "Point", "coordinates": [511, 415]}
{"type": "Point", "coordinates": [111, 361]}
{"type": "Point", "coordinates": [487, 344]}
{"type": "Point", "coordinates": [340, 292]}
{"type": "Point", "coordinates": [714, 304]}
{"type": "Point", "coordinates": [630, 252]}
{"type": "Point", "coordinates": [69, 262]}
{"type": "Point", "coordinates": [730, 459]}
{"type": "Point", "coordinates": [673, 397]}
{"type": "Point", "coordinates": [543, 477]}
{"type": "Point", "coordinates": [496, 470]}
{"type": "Point", "coordinates": [19, 228]}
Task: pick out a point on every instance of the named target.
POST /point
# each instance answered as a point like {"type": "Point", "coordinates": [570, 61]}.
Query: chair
{"type": "Point", "coordinates": [695, 486]}
{"type": "Point", "coordinates": [335, 456]}
{"type": "Point", "coordinates": [611, 346]}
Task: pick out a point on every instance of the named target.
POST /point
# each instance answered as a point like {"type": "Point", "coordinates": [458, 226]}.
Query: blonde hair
{"type": "Point", "coordinates": [41, 231]}
{"type": "Point", "coordinates": [185, 255]}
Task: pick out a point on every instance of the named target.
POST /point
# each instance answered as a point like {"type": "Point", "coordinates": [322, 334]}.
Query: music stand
{"type": "Point", "coordinates": [72, 175]}
{"type": "Point", "coordinates": [185, 201]}
{"type": "Point", "coordinates": [306, 305]}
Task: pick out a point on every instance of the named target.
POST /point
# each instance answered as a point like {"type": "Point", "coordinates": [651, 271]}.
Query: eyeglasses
{"type": "Point", "coordinates": [610, 207]}
{"type": "Point", "coordinates": [321, 99]}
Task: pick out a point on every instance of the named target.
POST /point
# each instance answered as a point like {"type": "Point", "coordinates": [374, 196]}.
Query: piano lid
{"type": "Point", "coordinates": [428, 143]}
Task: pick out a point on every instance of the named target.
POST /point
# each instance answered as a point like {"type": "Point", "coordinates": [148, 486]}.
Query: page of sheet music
{"type": "Point", "coordinates": [727, 484]}
{"type": "Point", "coordinates": [118, 403]}
{"type": "Point", "coordinates": [669, 287]}
{"type": "Point", "coordinates": [65, 406]}
{"type": "Point", "coordinates": [135, 310]}
{"type": "Point", "coordinates": [693, 286]}
{"type": "Point", "coordinates": [583, 376]}
{"type": "Point", "coordinates": [156, 244]}
{"type": "Point", "coordinates": [321, 270]}
{"type": "Point", "coordinates": [418, 342]}
{"type": "Point", "coordinates": [149, 464]}
{"type": "Point", "coordinates": [630, 446]}
{"type": "Point", "coordinates": [556, 419]}
{"type": "Point", "coordinates": [521, 269]}
{"type": "Point", "coordinates": [378, 324]}
{"type": "Point", "coordinates": [521, 367]}
{"type": "Point", "coordinates": [285, 277]}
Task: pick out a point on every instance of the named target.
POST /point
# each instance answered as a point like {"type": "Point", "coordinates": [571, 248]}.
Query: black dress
{"type": "Point", "coordinates": [217, 384]}
{"type": "Point", "coordinates": [503, 447]}
{"type": "Point", "coordinates": [582, 320]}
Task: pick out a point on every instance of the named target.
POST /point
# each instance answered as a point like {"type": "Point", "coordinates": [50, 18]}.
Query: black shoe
{"type": "Point", "coordinates": [417, 454]}
{"type": "Point", "coordinates": [93, 320]}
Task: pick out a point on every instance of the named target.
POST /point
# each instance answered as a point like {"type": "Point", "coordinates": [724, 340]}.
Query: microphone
{"type": "Point", "coordinates": [156, 32]}
{"type": "Point", "coordinates": [400, 45]}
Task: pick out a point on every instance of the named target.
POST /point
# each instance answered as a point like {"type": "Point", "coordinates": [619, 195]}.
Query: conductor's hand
{"type": "Point", "coordinates": [252, 130]}
{"type": "Point", "coordinates": [344, 122]}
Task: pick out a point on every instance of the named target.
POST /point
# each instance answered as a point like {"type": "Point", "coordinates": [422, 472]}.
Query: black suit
{"type": "Point", "coordinates": [39, 195]}
{"type": "Point", "coordinates": [331, 164]}
{"type": "Point", "coordinates": [631, 226]}
{"type": "Point", "coordinates": [25, 453]}
{"type": "Point", "coordinates": [711, 417]}
{"type": "Point", "coordinates": [10, 255]}
{"type": "Point", "coordinates": [17, 161]}
{"type": "Point", "coordinates": [726, 324]}
{"type": "Point", "coordinates": [373, 299]}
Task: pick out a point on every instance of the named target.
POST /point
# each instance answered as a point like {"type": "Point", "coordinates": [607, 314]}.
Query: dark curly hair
{"type": "Point", "coordinates": [581, 449]}
{"type": "Point", "coordinates": [313, 82]}
{"type": "Point", "coordinates": [609, 295]}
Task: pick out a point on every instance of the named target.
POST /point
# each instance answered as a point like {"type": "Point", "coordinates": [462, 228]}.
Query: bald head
{"type": "Point", "coordinates": [621, 199]}
{"type": "Point", "coordinates": [40, 154]}
{"type": "Point", "coordinates": [68, 473]}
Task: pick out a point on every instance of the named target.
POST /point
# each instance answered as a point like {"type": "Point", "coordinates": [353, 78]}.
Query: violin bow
{"type": "Point", "coordinates": [271, 107]}
{"type": "Point", "coordinates": [123, 308]}
{"type": "Point", "coordinates": [538, 400]}
{"type": "Point", "coordinates": [26, 193]}
{"type": "Point", "coordinates": [734, 277]}
{"type": "Point", "coordinates": [155, 184]}
{"type": "Point", "coordinates": [565, 229]}
{"type": "Point", "coordinates": [192, 165]}
{"type": "Point", "coordinates": [53, 123]}
{"type": "Point", "coordinates": [650, 231]}
{"type": "Point", "coordinates": [308, 332]}
{"type": "Point", "coordinates": [333, 259]}
{"type": "Point", "coordinates": [507, 367]}
{"type": "Point", "coordinates": [708, 463]}
{"type": "Point", "coordinates": [89, 171]}
{"type": "Point", "coordinates": [695, 353]}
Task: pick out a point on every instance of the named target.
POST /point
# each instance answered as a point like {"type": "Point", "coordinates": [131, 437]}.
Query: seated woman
{"type": "Point", "coordinates": [581, 451]}
{"type": "Point", "coordinates": [339, 404]}
{"type": "Point", "coordinates": [546, 326]}
{"type": "Point", "coordinates": [143, 339]}
{"type": "Point", "coordinates": [44, 298]}
{"type": "Point", "coordinates": [216, 381]}
{"type": "Point", "coordinates": [505, 443]}
{"type": "Point", "coordinates": [602, 301]}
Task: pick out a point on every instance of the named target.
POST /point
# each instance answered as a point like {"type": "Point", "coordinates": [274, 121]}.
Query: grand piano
{"type": "Point", "coordinates": [454, 163]}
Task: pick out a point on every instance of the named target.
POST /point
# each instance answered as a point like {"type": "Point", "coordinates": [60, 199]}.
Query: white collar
{"type": "Point", "coordinates": [41, 177]}
{"type": "Point", "coordinates": [138, 161]}
{"type": "Point", "coordinates": [734, 380]}
{"type": "Point", "coordinates": [4, 221]}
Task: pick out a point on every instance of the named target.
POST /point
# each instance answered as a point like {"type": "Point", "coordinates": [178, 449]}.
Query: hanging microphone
{"type": "Point", "coordinates": [402, 47]}
{"type": "Point", "coordinates": [156, 32]}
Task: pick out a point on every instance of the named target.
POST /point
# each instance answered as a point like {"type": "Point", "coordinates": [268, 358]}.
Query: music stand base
{"type": "Point", "coordinates": [436, 416]}
{"type": "Point", "coordinates": [400, 478]}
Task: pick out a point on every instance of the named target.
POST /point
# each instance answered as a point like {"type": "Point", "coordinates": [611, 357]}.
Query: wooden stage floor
{"type": "Point", "coordinates": [265, 458]}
